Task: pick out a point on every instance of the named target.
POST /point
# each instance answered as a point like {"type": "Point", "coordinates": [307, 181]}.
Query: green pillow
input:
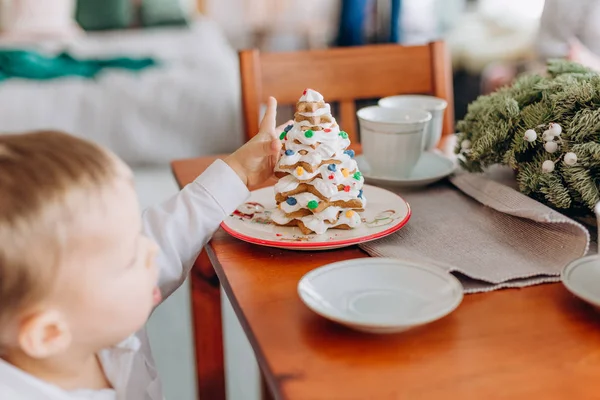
{"type": "Point", "coordinates": [163, 12]}
{"type": "Point", "coordinates": [104, 14]}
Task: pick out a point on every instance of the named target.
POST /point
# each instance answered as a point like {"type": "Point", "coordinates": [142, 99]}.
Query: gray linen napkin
{"type": "Point", "coordinates": [488, 234]}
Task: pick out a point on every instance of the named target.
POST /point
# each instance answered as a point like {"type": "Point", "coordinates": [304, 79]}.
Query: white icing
{"type": "Point", "coordinates": [318, 112]}
{"type": "Point", "coordinates": [302, 200]}
{"type": "Point", "coordinates": [338, 177]}
{"type": "Point", "coordinates": [331, 138]}
{"type": "Point", "coordinates": [286, 184]}
{"type": "Point", "coordinates": [326, 150]}
{"type": "Point", "coordinates": [311, 95]}
{"type": "Point", "coordinates": [311, 158]}
{"type": "Point", "coordinates": [326, 189]}
{"type": "Point", "coordinates": [320, 222]}
{"type": "Point", "coordinates": [324, 125]}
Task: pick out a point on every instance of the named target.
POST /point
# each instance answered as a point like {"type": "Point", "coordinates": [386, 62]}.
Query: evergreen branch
{"type": "Point", "coordinates": [495, 124]}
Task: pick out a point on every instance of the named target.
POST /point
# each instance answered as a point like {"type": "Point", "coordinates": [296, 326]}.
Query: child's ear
{"type": "Point", "coordinates": [44, 334]}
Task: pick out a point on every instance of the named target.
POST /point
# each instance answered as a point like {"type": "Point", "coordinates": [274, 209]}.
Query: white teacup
{"type": "Point", "coordinates": [434, 105]}
{"type": "Point", "coordinates": [392, 139]}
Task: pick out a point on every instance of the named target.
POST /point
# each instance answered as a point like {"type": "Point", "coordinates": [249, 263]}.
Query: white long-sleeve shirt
{"type": "Point", "coordinates": [181, 226]}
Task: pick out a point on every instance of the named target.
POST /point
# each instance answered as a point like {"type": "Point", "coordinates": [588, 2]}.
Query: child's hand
{"type": "Point", "coordinates": [254, 161]}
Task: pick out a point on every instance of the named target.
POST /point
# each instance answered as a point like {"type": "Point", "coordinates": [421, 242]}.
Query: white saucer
{"type": "Point", "coordinates": [430, 168]}
{"type": "Point", "coordinates": [380, 295]}
{"type": "Point", "coordinates": [582, 278]}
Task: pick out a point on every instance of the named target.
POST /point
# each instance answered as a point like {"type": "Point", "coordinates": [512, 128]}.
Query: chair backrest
{"type": "Point", "coordinates": [344, 75]}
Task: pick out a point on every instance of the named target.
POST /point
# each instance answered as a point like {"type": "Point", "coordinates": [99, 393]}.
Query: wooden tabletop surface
{"type": "Point", "coordinates": [537, 342]}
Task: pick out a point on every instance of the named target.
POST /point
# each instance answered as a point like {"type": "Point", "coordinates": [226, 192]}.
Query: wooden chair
{"type": "Point", "coordinates": [344, 75]}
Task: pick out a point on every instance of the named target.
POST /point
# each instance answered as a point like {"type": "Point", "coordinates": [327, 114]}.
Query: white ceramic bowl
{"type": "Point", "coordinates": [434, 105]}
{"type": "Point", "coordinates": [392, 139]}
{"type": "Point", "coordinates": [380, 295]}
{"type": "Point", "coordinates": [582, 278]}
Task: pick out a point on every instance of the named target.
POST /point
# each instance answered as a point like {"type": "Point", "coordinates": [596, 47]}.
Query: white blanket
{"type": "Point", "coordinates": [188, 106]}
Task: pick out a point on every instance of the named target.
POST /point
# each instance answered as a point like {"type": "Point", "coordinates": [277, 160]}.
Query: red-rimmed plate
{"type": "Point", "coordinates": [386, 212]}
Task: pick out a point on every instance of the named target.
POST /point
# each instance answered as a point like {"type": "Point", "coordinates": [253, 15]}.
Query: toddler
{"type": "Point", "coordinates": [80, 271]}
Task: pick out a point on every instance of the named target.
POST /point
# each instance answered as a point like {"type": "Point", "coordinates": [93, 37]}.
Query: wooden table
{"type": "Point", "coordinates": [538, 342]}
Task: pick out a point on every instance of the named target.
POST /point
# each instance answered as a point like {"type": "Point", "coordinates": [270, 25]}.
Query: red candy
{"type": "Point", "coordinates": [331, 176]}
{"type": "Point", "coordinates": [304, 92]}
{"type": "Point", "coordinates": [327, 130]}
{"type": "Point", "coordinates": [346, 188]}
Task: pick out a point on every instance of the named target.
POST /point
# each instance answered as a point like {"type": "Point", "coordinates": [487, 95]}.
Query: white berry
{"type": "Point", "coordinates": [551, 147]}
{"type": "Point", "coordinates": [570, 158]}
{"type": "Point", "coordinates": [465, 144]}
{"type": "Point", "coordinates": [530, 135]}
{"type": "Point", "coordinates": [547, 135]}
{"type": "Point", "coordinates": [548, 166]}
{"type": "Point", "coordinates": [555, 128]}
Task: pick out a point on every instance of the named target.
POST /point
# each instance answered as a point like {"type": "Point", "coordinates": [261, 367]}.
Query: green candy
{"type": "Point", "coordinates": [344, 135]}
{"type": "Point", "coordinates": [282, 135]}
{"type": "Point", "coordinates": [312, 204]}
{"type": "Point", "coordinates": [357, 175]}
{"type": "Point", "coordinates": [309, 133]}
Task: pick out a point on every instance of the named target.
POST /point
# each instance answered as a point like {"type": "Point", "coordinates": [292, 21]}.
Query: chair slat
{"type": "Point", "coordinates": [250, 74]}
{"type": "Point", "coordinates": [442, 83]}
{"type": "Point", "coordinates": [347, 120]}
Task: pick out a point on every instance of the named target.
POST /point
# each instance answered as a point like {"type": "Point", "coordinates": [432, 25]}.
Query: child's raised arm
{"type": "Point", "coordinates": [185, 223]}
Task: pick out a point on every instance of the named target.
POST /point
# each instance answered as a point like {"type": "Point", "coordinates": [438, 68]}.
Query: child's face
{"type": "Point", "coordinates": [108, 289]}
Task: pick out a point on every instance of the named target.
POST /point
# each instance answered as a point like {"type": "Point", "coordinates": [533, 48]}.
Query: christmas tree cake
{"type": "Point", "coordinates": [320, 186]}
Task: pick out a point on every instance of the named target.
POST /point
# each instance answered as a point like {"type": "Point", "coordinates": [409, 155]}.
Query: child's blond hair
{"type": "Point", "coordinates": [47, 179]}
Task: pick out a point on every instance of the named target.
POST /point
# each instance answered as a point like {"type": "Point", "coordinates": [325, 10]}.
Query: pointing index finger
{"type": "Point", "coordinates": [267, 124]}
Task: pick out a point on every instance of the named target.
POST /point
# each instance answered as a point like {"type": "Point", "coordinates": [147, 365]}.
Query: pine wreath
{"type": "Point", "coordinates": [547, 129]}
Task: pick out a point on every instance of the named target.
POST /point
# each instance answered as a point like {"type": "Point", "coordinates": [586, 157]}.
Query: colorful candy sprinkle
{"type": "Point", "coordinates": [332, 167]}
{"type": "Point", "coordinates": [350, 153]}
{"type": "Point", "coordinates": [357, 175]}
{"type": "Point", "coordinates": [344, 135]}
{"type": "Point", "coordinates": [309, 133]}
{"type": "Point", "coordinates": [345, 172]}
{"type": "Point", "coordinates": [289, 152]}
{"type": "Point", "coordinates": [331, 177]}
{"type": "Point", "coordinates": [288, 128]}
{"type": "Point", "coordinates": [360, 192]}
{"type": "Point", "coordinates": [282, 136]}
{"type": "Point", "coordinates": [299, 171]}
{"type": "Point", "coordinates": [304, 93]}
{"type": "Point", "coordinates": [291, 201]}
{"type": "Point", "coordinates": [349, 213]}
{"type": "Point", "coordinates": [312, 204]}
{"type": "Point", "coordinates": [346, 188]}
{"type": "Point", "coordinates": [327, 130]}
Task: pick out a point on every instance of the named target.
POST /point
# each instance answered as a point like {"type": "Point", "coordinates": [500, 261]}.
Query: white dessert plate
{"type": "Point", "coordinates": [380, 295]}
{"type": "Point", "coordinates": [430, 168]}
{"type": "Point", "coordinates": [386, 212]}
{"type": "Point", "coordinates": [582, 278]}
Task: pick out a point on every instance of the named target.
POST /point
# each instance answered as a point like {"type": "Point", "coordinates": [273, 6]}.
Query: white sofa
{"type": "Point", "coordinates": [187, 106]}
